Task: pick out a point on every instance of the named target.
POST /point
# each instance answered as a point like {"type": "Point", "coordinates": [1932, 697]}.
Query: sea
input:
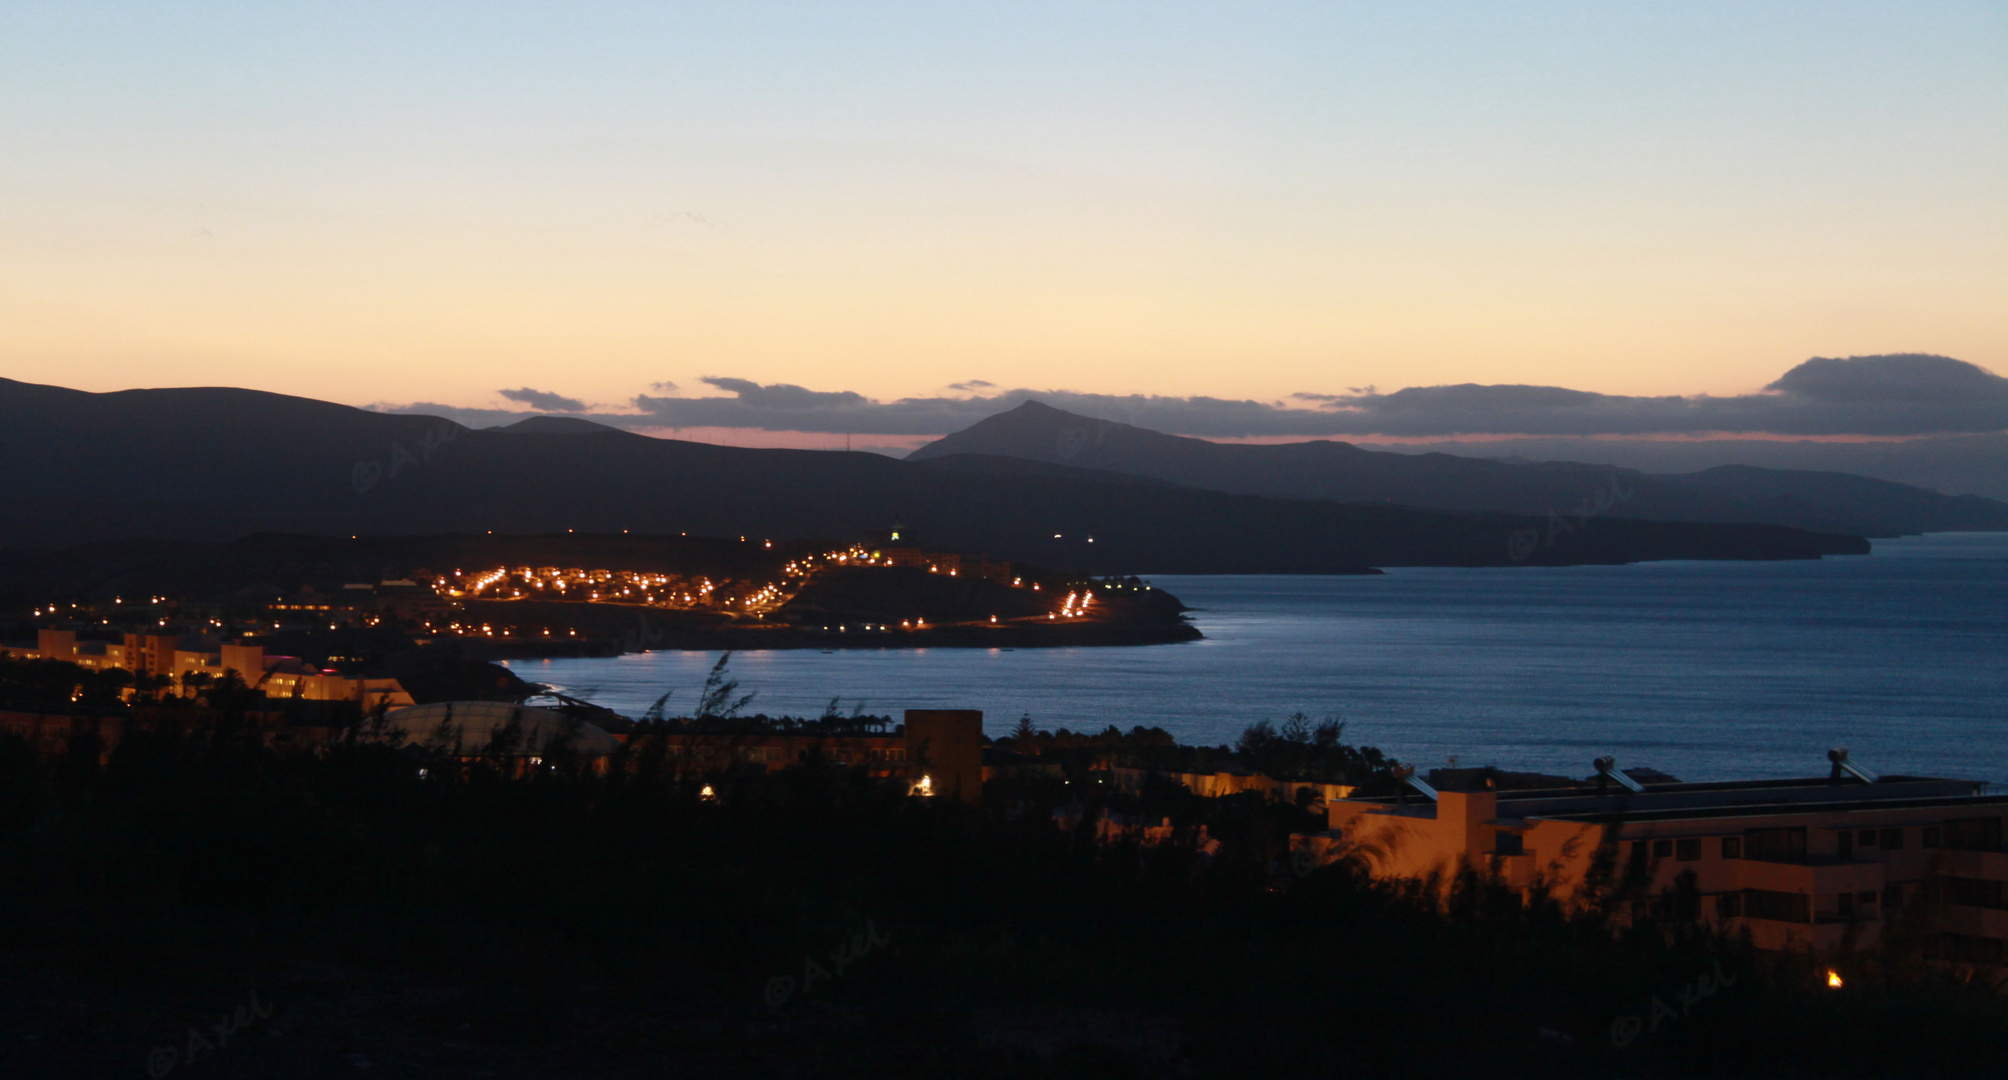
{"type": "Point", "coordinates": [1704, 670]}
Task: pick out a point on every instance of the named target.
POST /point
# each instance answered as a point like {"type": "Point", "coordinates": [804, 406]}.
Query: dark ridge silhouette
{"type": "Point", "coordinates": [556, 425]}
{"type": "Point", "coordinates": [1953, 464]}
{"type": "Point", "coordinates": [1819, 501]}
{"type": "Point", "coordinates": [215, 464]}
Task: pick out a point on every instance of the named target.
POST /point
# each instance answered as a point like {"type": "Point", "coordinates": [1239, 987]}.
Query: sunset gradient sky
{"type": "Point", "coordinates": [371, 202]}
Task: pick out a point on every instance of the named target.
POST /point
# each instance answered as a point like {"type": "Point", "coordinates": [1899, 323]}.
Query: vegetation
{"type": "Point", "coordinates": [1296, 751]}
{"type": "Point", "coordinates": [1300, 751]}
{"type": "Point", "coordinates": [638, 923]}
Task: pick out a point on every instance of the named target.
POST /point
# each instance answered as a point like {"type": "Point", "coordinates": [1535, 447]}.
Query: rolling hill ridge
{"type": "Point", "coordinates": [1818, 501]}
{"type": "Point", "coordinates": [217, 464]}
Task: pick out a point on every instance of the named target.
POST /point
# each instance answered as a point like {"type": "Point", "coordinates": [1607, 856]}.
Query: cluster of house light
{"type": "Point", "coordinates": [486, 630]}
{"type": "Point", "coordinates": [855, 555]}
{"type": "Point", "coordinates": [675, 591]}
{"type": "Point", "coordinates": [608, 586]}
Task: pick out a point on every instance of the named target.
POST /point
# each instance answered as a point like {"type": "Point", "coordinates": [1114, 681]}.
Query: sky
{"type": "Point", "coordinates": [610, 203]}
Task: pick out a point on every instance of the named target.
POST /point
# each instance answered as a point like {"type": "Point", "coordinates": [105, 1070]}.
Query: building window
{"type": "Point", "coordinates": [1931, 836]}
{"type": "Point", "coordinates": [1662, 848]}
{"type": "Point", "coordinates": [1844, 844]}
{"type": "Point", "coordinates": [1511, 844]}
{"type": "Point", "coordinates": [1892, 839]}
{"type": "Point", "coordinates": [1688, 850]}
{"type": "Point", "coordinates": [1974, 834]}
{"type": "Point", "coordinates": [1892, 896]}
{"type": "Point", "coordinates": [1845, 904]}
{"type": "Point", "coordinates": [1729, 905]}
{"type": "Point", "coordinates": [1776, 845]}
{"type": "Point", "coordinates": [1732, 847]}
{"type": "Point", "coordinates": [1969, 892]}
{"type": "Point", "coordinates": [1777, 906]}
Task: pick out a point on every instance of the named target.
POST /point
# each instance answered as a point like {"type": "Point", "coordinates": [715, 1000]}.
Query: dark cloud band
{"type": "Point", "coordinates": [1897, 395]}
{"type": "Point", "coordinates": [544, 400]}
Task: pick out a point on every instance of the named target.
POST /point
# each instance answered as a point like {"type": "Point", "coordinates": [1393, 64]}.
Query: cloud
{"type": "Point", "coordinates": [972, 385]}
{"type": "Point", "coordinates": [1899, 395]}
{"type": "Point", "coordinates": [786, 407]}
{"type": "Point", "coordinates": [1916, 377]}
{"type": "Point", "coordinates": [1907, 394]}
{"type": "Point", "coordinates": [473, 418]}
{"type": "Point", "coordinates": [663, 387]}
{"type": "Point", "coordinates": [544, 400]}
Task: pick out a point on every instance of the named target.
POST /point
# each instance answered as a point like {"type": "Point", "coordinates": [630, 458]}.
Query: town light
{"type": "Point", "coordinates": [1833, 978]}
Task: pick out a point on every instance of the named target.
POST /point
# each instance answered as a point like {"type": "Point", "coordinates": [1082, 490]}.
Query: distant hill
{"type": "Point", "coordinates": [1819, 501]}
{"type": "Point", "coordinates": [216, 464]}
{"type": "Point", "coordinates": [556, 425]}
{"type": "Point", "coordinates": [1954, 464]}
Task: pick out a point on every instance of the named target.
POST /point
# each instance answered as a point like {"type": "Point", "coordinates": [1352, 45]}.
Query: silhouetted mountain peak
{"type": "Point", "coordinates": [216, 464]}
{"type": "Point", "coordinates": [558, 425]}
{"type": "Point", "coordinates": [1039, 432]}
{"type": "Point", "coordinates": [1342, 472]}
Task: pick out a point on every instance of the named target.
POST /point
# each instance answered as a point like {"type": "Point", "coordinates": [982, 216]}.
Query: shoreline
{"type": "Point", "coordinates": [753, 640]}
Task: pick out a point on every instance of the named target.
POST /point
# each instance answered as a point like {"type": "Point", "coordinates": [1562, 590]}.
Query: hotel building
{"type": "Point", "coordinates": [1832, 865]}
{"type": "Point", "coordinates": [281, 677]}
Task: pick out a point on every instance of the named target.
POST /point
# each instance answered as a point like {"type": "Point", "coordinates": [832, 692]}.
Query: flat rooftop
{"type": "Point", "coordinates": [1735, 798]}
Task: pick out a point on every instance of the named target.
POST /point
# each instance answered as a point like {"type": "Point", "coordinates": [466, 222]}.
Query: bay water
{"type": "Point", "coordinates": [1705, 670]}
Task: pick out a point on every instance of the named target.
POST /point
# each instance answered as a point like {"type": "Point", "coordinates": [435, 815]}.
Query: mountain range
{"type": "Point", "coordinates": [218, 463]}
{"type": "Point", "coordinates": [1321, 469]}
{"type": "Point", "coordinates": [1954, 464]}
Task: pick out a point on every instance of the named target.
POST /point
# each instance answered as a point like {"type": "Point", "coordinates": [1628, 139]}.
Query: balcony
{"type": "Point", "coordinates": [1991, 865]}
{"type": "Point", "coordinates": [1822, 937]}
{"type": "Point", "coordinates": [1973, 921]}
{"type": "Point", "coordinates": [1816, 877]}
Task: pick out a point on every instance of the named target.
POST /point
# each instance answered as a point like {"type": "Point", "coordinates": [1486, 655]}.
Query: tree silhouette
{"type": "Point", "coordinates": [717, 702]}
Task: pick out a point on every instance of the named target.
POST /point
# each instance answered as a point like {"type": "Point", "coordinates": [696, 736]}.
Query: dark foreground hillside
{"type": "Point", "coordinates": [202, 906]}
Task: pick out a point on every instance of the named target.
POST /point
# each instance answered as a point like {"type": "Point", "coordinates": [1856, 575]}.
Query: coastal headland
{"type": "Point", "coordinates": [499, 597]}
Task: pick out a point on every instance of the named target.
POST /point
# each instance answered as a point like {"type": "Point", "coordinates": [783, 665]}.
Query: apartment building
{"type": "Point", "coordinates": [1831, 864]}
{"type": "Point", "coordinates": [1233, 780]}
{"type": "Point", "coordinates": [281, 677]}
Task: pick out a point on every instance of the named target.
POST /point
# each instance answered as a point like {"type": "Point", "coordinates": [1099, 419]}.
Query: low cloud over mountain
{"type": "Point", "coordinates": [1910, 394]}
{"type": "Point", "coordinates": [544, 400]}
{"type": "Point", "coordinates": [1897, 395]}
